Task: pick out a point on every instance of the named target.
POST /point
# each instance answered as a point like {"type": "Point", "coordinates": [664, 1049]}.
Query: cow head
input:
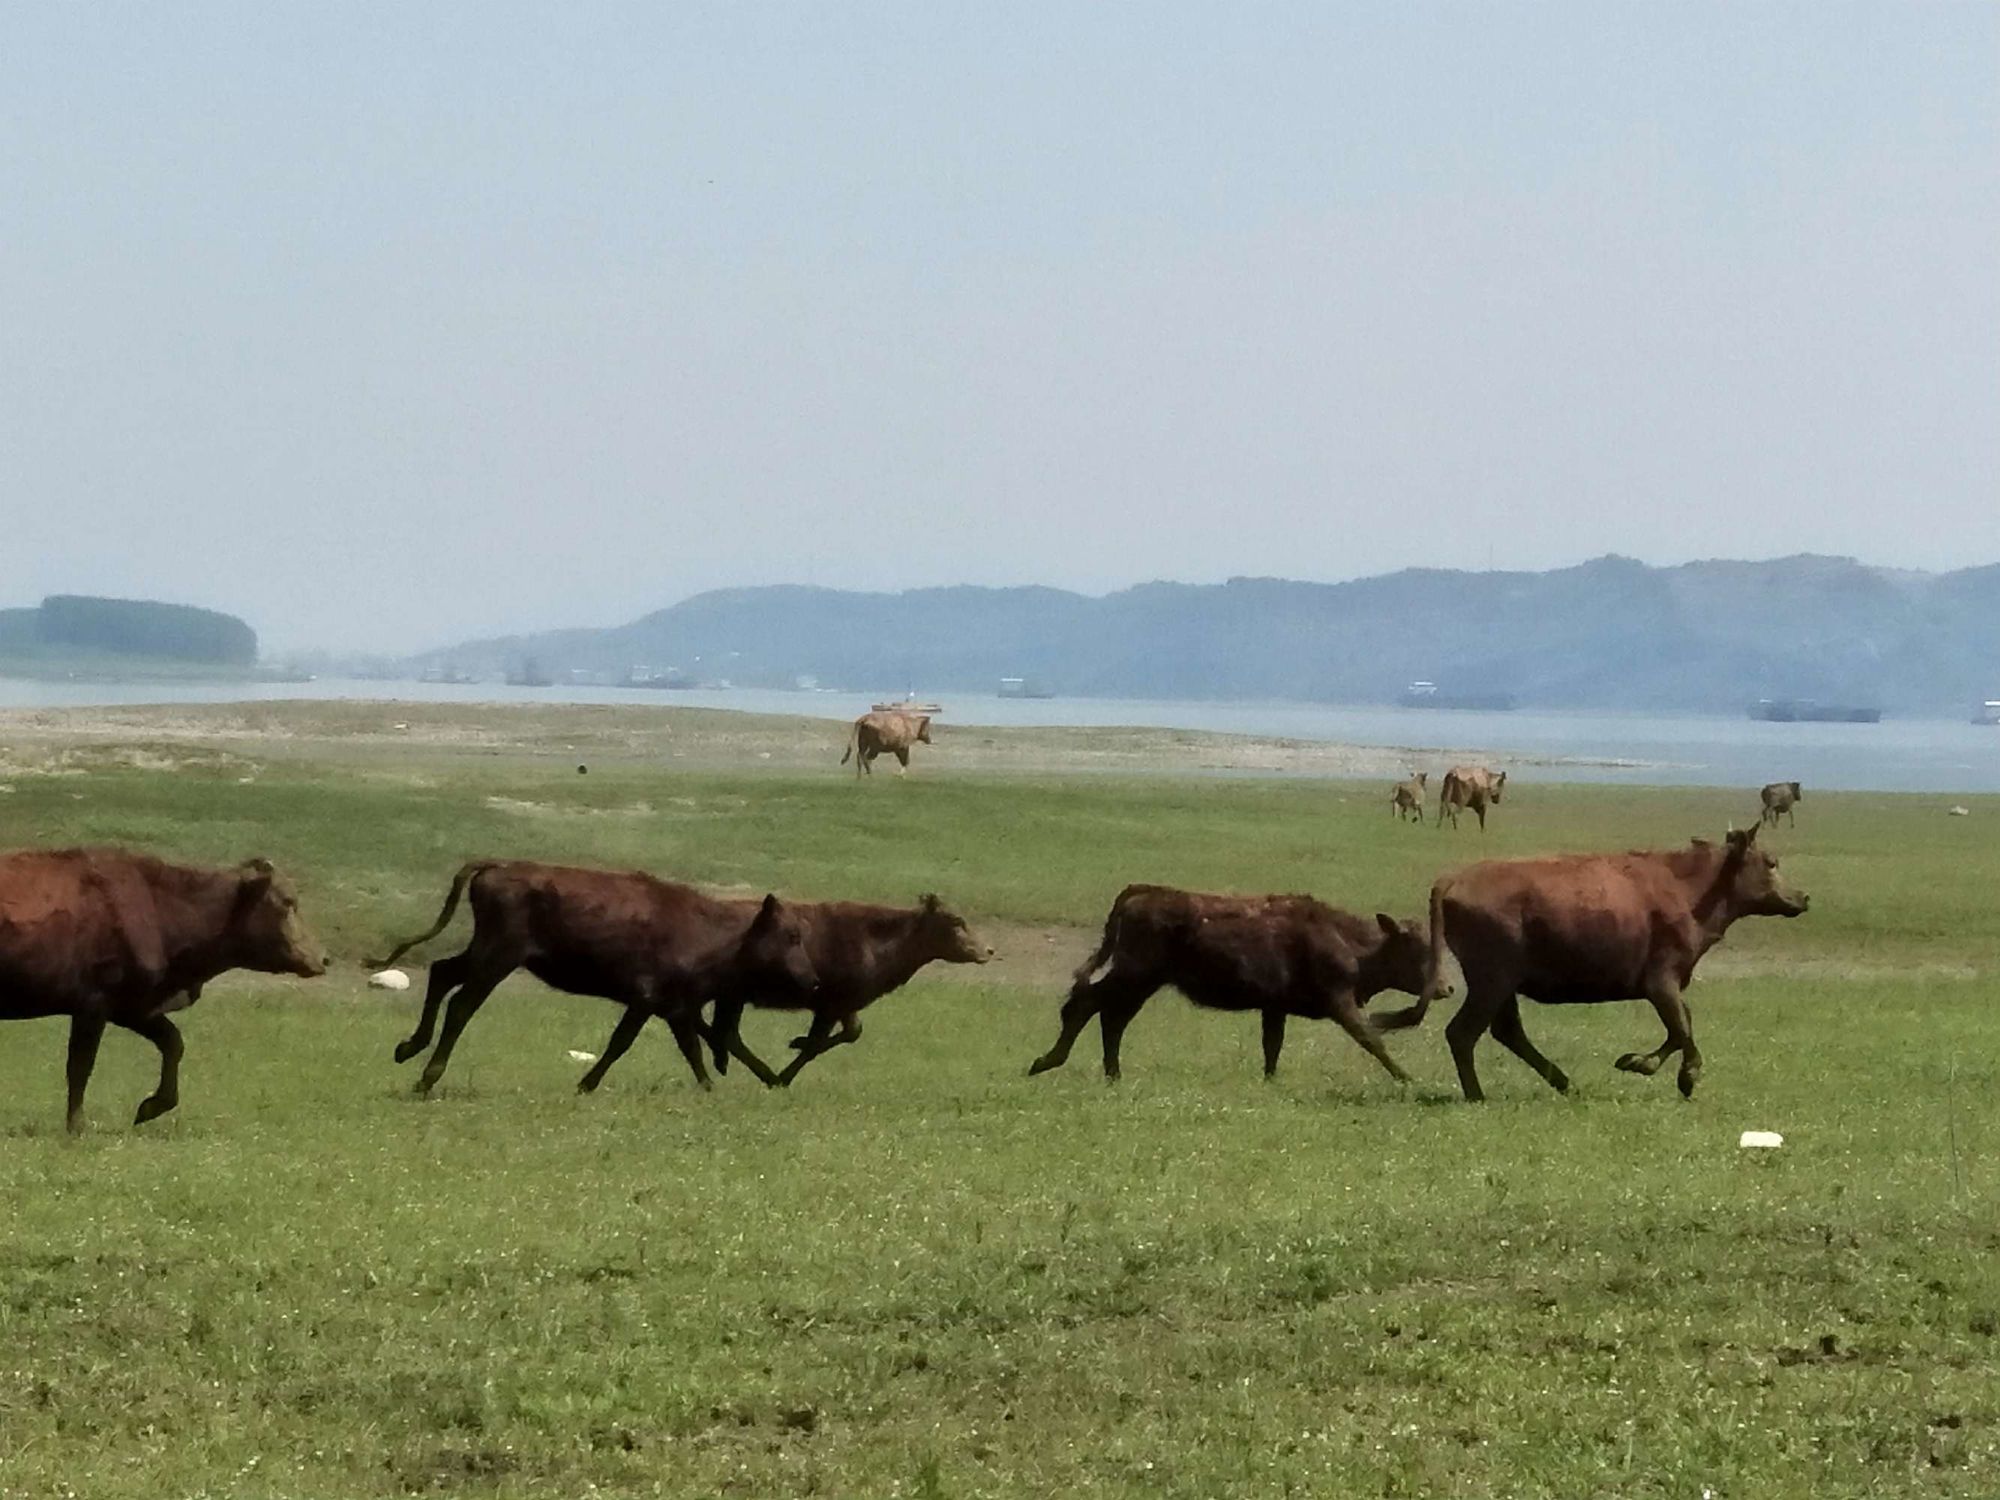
{"type": "Point", "coordinates": [774, 952]}
{"type": "Point", "coordinates": [1798, 794]}
{"type": "Point", "coordinates": [924, 728]}
{"type": "Point", "coordinates": [267, 934]}
{"type": "Point", "coordinates": [1751, 883]}
{"type": "Point", "coordinates": [946, 937]}
{"type": "Point", "coordinates": [1496, 786]}
{"type": "Point", "coordinates": [1402, 961]}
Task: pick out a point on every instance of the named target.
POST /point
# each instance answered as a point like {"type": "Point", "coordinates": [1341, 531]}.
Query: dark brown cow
{"type": "Point", "coordinates": [1407, 800]}
{"type": "Point", "coordinates": [1282, 955]}
{"type": "Point", "coordinates": [106, 936]}
{"type": "Point", "coordinates": [1469, 786]}
{"type": "Point", "coordinates": [1587, 928]}
{"type": "Point", "coordinates": [885, 733]}
{"type": "Point", "coordinates": [860, 954]}
{"type": "Point", "coordinates": [1779, 798]}
{"type": "Point", "coordinates": [655, 947]}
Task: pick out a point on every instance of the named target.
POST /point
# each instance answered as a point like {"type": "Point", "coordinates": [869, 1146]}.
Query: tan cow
{"type": "Point", "coordinates": [1469, 786]}
{"type": "Point", "coordinates": [1407, 800]}
{"type": "Point", "coordinates": [885, 733]}
{"type": "Point", "coordinates": [1587, 928]}
{"type": "Point", "coordinates": [1780, 797]}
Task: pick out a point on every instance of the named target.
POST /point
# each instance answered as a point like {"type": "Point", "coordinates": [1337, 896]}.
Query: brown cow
{"type": "Point", "coordinates": [1282, 955]}
{"type": "Point", "coordinates": [104, 936]}
{"type": "Point", "coordinates": [1469, 786]}
{"type": "Point", "coordinates": [1407, 800]}
{"type": "Point", "coordinates": [1780, 797]}
{"type": "Point", "coordinates": [655, 947]}
{"type": "Point", "coordinates": [1586, 928]}
{"type": "Point", "coordinates": [885, 733]}
{"type": "Point", "coordinates": [860, 954]}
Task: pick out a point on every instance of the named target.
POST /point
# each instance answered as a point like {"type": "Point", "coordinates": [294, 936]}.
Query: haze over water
{"type": "Point", "coordinates": [1897, 755]}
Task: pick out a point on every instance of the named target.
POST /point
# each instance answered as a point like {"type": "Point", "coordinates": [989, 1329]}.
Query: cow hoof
{"type": "Point", "coordinates": [152, 1109]}
{"type": "Point", "coordinates": [407, 1050]}
{"type": "Point", "coordinates": [1040, 1065]}
{"type": "Point", "coordinates": [798, 1043]}
{"type": "Point", "coordinates": [1687, 1082]}
{"type": "Point", "coordinates": [1638, 1062]}
{"type": "Point", "coordinates": [586, 1085]}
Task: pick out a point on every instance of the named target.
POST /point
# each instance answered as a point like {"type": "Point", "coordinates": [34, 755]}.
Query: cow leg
{"type": "Point", "coordinates": [1673, 1012]}
{"type": "Point", "coordinates": [1480, 808]}
{"type": "Point", "coordinates": [464, 1005]}
{"type": "Point", "coordinates": [725, 1029]}
{"type": "Point", "coordinates": [687, 1035]}
{"type": "Point", "coordinates": [902, 761]}
{"type": "Point", "coordinates": [163, 1034]}
{"type": "Point", "coordinates": [445, 976]}
{"type": "Point", "coordinates": [819, 1039]}
{"type": "Point", "coordinates": [736, 1048]}
{"type": "Point", "coordinates": [1274, 1040]}
{"type": "Point", "coordinates": [1464, 1031]}
{"type": "Point", "coordinates": [1112, 1020]}
{"type": "Point", "coordinates": [623, 1035]}
{"type": "Point", "coordinates": [1348, 1015]}
{"type": "Point", "coordinates": [1082, 1004]}
{"type": "Point", "coordinates": [1509, 1033]}
{"type": "Point", "coordinates": [85, 1032]}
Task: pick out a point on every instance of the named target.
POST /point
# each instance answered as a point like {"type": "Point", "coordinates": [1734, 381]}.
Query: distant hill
{"type": "Point", "coordinates": [1612, 633]}
{"type": "Point", "coordinates": [91, 633]}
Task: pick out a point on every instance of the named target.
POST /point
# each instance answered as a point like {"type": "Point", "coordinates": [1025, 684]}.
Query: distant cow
{"type": "Point", "coordinates": [1780, 797]}
{"type": "Point", "coordinates": [655, 947]}
{"type": "Point", "coordinates": [1407, 800]}
{"type": "Point", "coordinates": [105, 936]}
{"type": "Point", "coordinates": [1587, 928]}
{"type": "Point", "coordinates": [1282, 955]}
{"type": "Point", "coordinates": [859, 953]}
{"type": "Point", "coordinates": [885, 733]}
{"type": "Point", "coordinates": [1469, 786]}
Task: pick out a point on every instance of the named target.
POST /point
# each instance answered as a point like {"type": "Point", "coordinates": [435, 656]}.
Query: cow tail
{"type": "Point", "coordinates": [1090, 965]}
{"type": "Point", "coordinates": [1413, 1015]}
{"type": "Point", "coordinates": [853, 740]}
{"type": "Point", "coordinates": [458, 884]}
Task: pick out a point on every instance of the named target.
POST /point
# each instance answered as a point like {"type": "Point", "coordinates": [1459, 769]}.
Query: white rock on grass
{"type": "Point", "coordinates": [389, 979]}
{"type": "Point", "coordinates": [1760, 1140]}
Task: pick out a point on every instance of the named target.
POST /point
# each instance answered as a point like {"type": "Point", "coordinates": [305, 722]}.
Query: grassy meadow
{"type": "Point", "coordinates": [920, 1273]}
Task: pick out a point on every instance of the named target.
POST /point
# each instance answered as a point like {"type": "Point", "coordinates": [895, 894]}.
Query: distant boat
{"type": "Point", "coordinates": [672, 679]}
{"type": "Point", "coordinates": [1022, 687]}
{"type": "Point", "coordinates": [1426, 695]}
{"type": "Point", "coordinates": [1806, 711]}
{"type": "Point", "coordinates": [450, 676]}
{"type": "Point", "coordinates": [1989, 712]}
{"type": "Point", "coordinates": [908, 705]}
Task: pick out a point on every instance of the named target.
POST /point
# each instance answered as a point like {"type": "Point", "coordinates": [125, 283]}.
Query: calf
{"type": "Point", "coordinates": [884, 732]}
{"type": "Point", "coordinates": [1282, 955]}
{"type": "Point", "coordinates": [1406, 801]}
{"type": "Point", "coordinates": [109, 937]}
{"type": "Point", "coordinates": [653, 946]}
{"type": "Point", "coordinates": [860, 954]}
{"type": "Point", "coordinates": [1469, 786]}
{"type": "Point", "coordinates": [1779, 798]}
{"type": "Point", "coordinates": [1587, 928]}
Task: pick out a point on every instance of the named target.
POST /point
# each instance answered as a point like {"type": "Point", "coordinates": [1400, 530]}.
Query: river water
{"type": "Point", "coordinates": [1907, 755]}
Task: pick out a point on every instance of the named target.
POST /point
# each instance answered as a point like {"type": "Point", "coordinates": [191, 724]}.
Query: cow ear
{"type": "Point", "coordinates": [1740, 840]}
{"type": "Point", "coordinates": [1389, 925]}
{"type": "Point", "coordinates": [256, 872]}
{"type": "Point", "coordinates": [929, 902]}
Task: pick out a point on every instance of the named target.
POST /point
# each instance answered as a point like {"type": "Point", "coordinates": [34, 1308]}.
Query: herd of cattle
{"type": "Point", "coordinates": [111, 937]}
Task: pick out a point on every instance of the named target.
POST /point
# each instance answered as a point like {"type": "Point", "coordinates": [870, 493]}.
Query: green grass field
{"type": "Point", "coordinates": [919, 1272]}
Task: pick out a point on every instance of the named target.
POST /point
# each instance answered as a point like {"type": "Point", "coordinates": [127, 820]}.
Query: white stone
{"type": "Point", "coordinates": [1760, 1140]}
{"type": "Point", "coordinates": [389, 979]}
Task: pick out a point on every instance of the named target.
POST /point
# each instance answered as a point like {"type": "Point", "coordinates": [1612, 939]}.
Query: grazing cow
{"type": "Point", "coordinates": [1282, 955]}
{"type": "Point", "coordinates": [1587, 928]}
{"type": "Point", "coordinates": [1469, 786]}
{"type": "Point", "coordinates": [1780, 797]}
{"type": "Point", "coordinates": [109, 937]}
{"type": "Point", "coordinates": [655, 947]}
{"type": "Point", "coordinates": [885, 733]}
{"type": "Point", "coordinates": [1407, 800]}
{"type": "Point", "coordinates": [860, 954]}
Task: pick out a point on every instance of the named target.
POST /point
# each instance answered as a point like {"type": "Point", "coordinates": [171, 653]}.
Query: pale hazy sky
{"type": "Point", "coordinates": [388, 325]}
